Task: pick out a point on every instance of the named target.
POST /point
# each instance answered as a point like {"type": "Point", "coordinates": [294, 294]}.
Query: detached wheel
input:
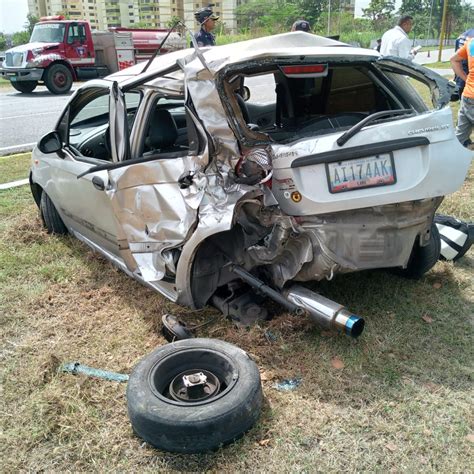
{"type": "Point", "coordinates": [50, 216]}
{"type": "Point", "coordinates": [194, 395]}
{"type": "Point", "coordinates": [423, 259]}
{"type": "Point", "coordinates": [25, 86]}
{"type": "Point", "coordinates": [58, 79]}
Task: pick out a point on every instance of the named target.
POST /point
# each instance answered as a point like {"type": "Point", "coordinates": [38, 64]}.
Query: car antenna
{"type": "Point", "coordinates": [193, 41]}
{"type": "Point", "coordinates": [147, 65]}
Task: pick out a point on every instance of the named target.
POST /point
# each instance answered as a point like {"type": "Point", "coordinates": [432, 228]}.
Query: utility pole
{"type": "Point", "coordinates": [329, 16]}
{"type": "Point", "coordinates": [443, 27]}
{"type": "Point", "coordinates": [428, 34]}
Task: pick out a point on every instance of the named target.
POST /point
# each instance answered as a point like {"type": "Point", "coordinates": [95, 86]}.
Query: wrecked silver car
{"type": "Point", "coordinates": [256, 165]}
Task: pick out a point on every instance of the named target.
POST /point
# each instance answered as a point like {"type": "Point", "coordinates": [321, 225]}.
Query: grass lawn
{"type": "Point", "coordinates": [397, 399]}
{"type": "Point", "coordinates": [14, 167]}
{"type": "Point", "coordinates": [440, 65]}
{"type": "Point", "coordinates": [4, 83]}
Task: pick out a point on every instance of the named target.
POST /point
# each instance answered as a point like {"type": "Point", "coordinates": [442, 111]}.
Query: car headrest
{"type": "Point", "coordinates": [162, 132]}
{"type": "Point", "coordinates": [243, 107]}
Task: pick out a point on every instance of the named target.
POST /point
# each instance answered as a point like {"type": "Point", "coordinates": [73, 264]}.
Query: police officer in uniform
{"type": "Point", "coordinates": [206, 18]}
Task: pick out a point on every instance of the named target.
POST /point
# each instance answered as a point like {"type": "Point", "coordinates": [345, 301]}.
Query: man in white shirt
{"type": "Point", "coordinates": [395, 42]}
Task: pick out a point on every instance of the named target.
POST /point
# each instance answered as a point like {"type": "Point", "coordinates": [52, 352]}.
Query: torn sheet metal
{"type": "Point", "coordinates": [154, 213]}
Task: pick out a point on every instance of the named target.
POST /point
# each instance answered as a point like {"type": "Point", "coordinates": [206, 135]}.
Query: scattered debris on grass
{"type": "Point", "coordinates": [288, 384]}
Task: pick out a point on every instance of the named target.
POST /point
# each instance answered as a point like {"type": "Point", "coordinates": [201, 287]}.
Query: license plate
{"type": "Point", "coordinates": [361, 173]}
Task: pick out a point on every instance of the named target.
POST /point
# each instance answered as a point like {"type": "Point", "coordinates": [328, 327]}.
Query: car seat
{"type": "Point", "coordinates": [162, 133]}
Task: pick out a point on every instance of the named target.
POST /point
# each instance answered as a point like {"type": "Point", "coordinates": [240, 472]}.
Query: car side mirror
{"type": "Point", "coordinates": [245, 93]}
{"type": "Point", "coordinates": [50, 143]}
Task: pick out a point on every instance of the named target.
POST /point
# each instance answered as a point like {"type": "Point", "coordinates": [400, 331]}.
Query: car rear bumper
{"type": "Point", "coordinates": [21, 74]}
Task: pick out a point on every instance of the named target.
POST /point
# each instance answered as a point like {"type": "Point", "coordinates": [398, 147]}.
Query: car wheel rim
{"type": "Point", "coordinates": [59, 79]}
{"type": "Point", "coordinates": [193, 377]}
{"type": "Point", "coordinates": [194, 385]}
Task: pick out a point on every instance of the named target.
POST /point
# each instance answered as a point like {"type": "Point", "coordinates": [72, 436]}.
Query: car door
{"type": "Point", "coordinates": [156, 195]}
{"type": "Point", "coordinates": [78, 194]}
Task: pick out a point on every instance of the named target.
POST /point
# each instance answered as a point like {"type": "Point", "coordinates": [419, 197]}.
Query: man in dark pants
{"type": "Point", "coordinates": [206, 18]}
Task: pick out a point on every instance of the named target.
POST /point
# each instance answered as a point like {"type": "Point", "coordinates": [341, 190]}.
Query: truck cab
{"type": "Point", "coordinates": [61, 51]}
{"type": "Point", "coordinates": [56, 48]}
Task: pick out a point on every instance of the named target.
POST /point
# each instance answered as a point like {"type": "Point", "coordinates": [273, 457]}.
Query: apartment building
{"type": "Point", "coordinates": [103, 14]}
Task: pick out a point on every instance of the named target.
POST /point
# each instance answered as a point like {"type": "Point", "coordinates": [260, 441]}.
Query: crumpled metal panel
{"type": "Point", "coordinates": [208, 105]}
{"type": "Point", "coordinates": [155, 215]}
{"type": "Point", "coordinates": [119, 136]}
{"type": "Point", "coordinates": [171, 84]}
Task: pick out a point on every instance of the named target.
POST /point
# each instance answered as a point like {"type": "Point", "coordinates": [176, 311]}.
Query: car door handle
{"type": "Point", "coordinates": [98, 183]}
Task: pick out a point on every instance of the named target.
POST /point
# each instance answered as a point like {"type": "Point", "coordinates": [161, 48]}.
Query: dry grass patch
{"type": "Point", "coordinates": [397, 399]}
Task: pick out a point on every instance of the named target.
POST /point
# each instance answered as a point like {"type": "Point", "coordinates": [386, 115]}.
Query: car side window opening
{"type": "Point", "coordinates": [317, 104]}
{"type": "Point", "coordinates": [88, 133]}
{"type": "Point", "coordinates": [166, 130]}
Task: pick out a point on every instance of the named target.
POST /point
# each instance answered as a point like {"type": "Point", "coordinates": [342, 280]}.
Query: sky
{"type": "Point", "coordinates": [13, 13]}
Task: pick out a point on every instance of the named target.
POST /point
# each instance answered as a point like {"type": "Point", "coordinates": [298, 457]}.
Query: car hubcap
{"type": "Point", "coordinates": [194, 385]}
{"type": "Point", "coordinates": [60, 79]}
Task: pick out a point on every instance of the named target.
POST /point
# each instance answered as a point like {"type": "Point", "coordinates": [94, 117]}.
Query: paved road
{"type": "Point", "coordinates": [25, 118]}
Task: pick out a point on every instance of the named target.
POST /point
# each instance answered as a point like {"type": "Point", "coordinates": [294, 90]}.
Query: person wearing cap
{"type": "Point", "coordinates": [207, 19]}
{"type": "Point", "coordinates": [301, 25]}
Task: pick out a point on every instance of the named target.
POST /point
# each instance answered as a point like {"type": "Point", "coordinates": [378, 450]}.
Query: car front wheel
{"type": "Point", "coordinates": [50, 216]}
{"type": "Point", "coordinates": [194, 395]}
{"type": "Point", "coordinates": [58, 79]}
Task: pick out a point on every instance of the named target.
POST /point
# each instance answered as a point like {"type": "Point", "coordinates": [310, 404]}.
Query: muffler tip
{"type": "Point", "coordinates": [354, 326]}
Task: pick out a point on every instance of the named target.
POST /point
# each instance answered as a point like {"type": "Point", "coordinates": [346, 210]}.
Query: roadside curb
{"type": "Point", "coordinates": [17, 149]}
{"type": "Point", "coordinates": [14, 184]}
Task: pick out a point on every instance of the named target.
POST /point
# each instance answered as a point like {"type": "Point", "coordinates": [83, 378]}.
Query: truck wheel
{"type": "Point", "coordinates": [423, 259]}
{"type": "Point", "coordinates": [50, 216]}
{"type": "Point", "coordinates": [194, 395]}
{"type": "Point", "coordinates": [58, 79]}
{"type": "Point", "coordinates": [25, 86]}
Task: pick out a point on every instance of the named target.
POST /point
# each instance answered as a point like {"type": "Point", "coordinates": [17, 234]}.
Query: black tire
{"type": "Point", "coordinates": [423, 259]}
{"type": "Point", "coordinates": [25, 86]}
{"type": "Point", "coordinates": [194, 426]}
{"type": "Point", "coordinates": [51, 219]}
{"type": "Point", "coordinates": [58, 79]}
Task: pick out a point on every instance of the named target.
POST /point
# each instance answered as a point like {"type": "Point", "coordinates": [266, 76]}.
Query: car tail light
{"type": "Point", "coordinates": [255, 167]}
{"type": "Point", "coordinates": [305, 70]}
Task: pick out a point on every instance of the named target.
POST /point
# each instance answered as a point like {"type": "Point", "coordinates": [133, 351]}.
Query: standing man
{"type": "Point", "coordinates": [466, 111]}
{"type": "Point", "coordinates": [206, 18]}
{"type": "Point", "coordinates": [395, 42]}
{"type": "Point", "coordinates": [461, 39]}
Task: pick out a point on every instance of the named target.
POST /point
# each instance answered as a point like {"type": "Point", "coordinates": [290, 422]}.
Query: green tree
{"type": "Point", "coordinates": [3, 42]}
{"type": "Point", "coordinates": [31, 21]}
{"type": "Point", "coordinates": [380, 12]}
{"type": "Point", "coordinates": [270, 15]}
{"type": "Point", "coordinates": [20, 37]}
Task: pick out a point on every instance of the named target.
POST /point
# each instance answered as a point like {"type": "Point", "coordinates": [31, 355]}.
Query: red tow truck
{"type": "Point", "coordinates": [61, 51]}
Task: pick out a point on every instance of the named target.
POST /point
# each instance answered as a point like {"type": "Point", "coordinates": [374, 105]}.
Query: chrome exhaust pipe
{"type": "Point", "coordinates": [325, 312]}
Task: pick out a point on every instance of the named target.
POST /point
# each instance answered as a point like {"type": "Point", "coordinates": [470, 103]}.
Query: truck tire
{"type": "Point", "coordinates": [423, 259]}
{"type": "Point", "coordinates": [50, 216]}
{"type": "Point", "coordinates": [58, 79]}
{"type": "Point", "coordinates": [25, 86]}
{"type": "Point", "coordinates": [171, 415]}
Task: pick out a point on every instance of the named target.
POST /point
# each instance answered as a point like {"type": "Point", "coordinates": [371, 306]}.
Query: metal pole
{"type": "Point", "coordinates": [443, 27]}
{"type": "Point", "coordinates": [429, 25]}
{"type": "Point", "coordinates": [329, 16]}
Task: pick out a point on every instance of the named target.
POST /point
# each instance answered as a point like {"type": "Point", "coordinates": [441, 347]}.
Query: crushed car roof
{"type": "Point", "coordinates": [296, 43]}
